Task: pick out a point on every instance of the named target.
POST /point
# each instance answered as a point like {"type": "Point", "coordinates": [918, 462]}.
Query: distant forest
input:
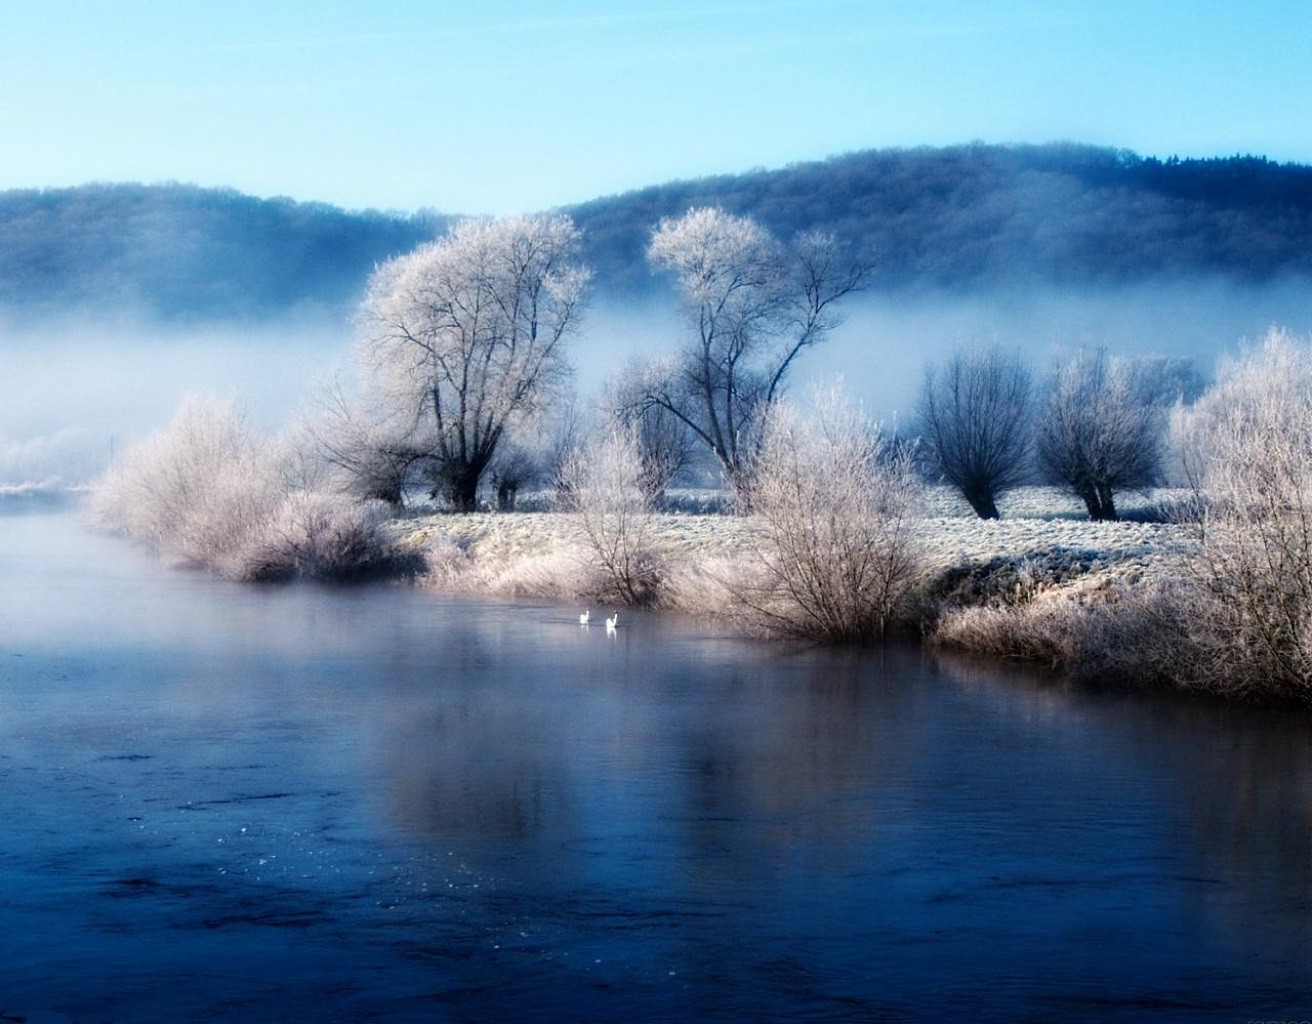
{"type": "Point", "coordinates": [961, 218]}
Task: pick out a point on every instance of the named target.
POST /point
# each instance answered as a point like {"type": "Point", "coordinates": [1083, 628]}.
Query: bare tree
{"type": "Point", "coordinates": [374, 451]}
{"type": "Point", "coordinates": [837, 551]}
{"type": "Point", "coordinates": [665, 442]}
{"type": "Point", "coordinates": [1098, 432]}
{"type": "Point", "coordinates": [754, 305]}
{"type": "Point", "coordinates": [466, 333]}
{"type": "Point", "coordinates": [534, 450]}
{"type": "Point", "coordinates": [975, 418]}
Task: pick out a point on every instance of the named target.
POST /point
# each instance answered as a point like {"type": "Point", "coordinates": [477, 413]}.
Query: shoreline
{"type": "Point", "coordinates": [1015, 589]}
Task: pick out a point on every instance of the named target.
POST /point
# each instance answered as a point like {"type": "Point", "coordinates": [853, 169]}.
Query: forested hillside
{"type": "Point", "coordinates": [182, 253]}
{"type": "Point", "coordinates": [975, 216]}
{"type": "Point", "coordinates": [964, 218]}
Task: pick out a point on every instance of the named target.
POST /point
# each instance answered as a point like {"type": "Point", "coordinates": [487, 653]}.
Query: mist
{"type": "Point", "coordinates": [885, 341]}
{"type": "Point", "coordinates": [73, 394]}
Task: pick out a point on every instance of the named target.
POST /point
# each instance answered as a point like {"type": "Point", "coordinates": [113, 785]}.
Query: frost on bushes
{"type": "Point", "coordinates": [1247, 445]}
{"type": "Point", "coordinates": [836, 552]}
{"type": "Point", "coordinates": [319, 536]}
{"type": "Point", "coordinates": [208, 491]}
{"type": "Point", "coordinates": [605, 485]}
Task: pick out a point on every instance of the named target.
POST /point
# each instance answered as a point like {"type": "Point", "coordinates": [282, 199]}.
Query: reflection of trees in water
{"type": "Point", "coordinates": [1237, 782]}
{"type": "Point", "coordinates": [695, 753]}
{"type": "Point", "coordinates": [481, 765]}
{"type": "Point", "coordinates": [797, 758]}
{"type": "Point", "coordinates": [1246, 776]}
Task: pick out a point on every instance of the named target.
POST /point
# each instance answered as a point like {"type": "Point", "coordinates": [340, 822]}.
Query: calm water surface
{"type": "Point", "coordinates": [305, 804]}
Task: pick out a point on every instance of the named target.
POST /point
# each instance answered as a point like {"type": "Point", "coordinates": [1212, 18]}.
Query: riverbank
{"type": "Point", "coordinates": [1041, 584]}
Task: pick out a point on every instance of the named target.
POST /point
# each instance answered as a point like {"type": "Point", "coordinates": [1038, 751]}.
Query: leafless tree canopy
{"type": "Point", "coordinates": [665, 442]}
{"type": "Point", "coordinates": [1099, 431]}
{"type": "Point", "coordinates": [753, 305]}
{"type": "Point", "coordinates": [975, 419]}
{"type": "Point", "coordinates": [466, 333]}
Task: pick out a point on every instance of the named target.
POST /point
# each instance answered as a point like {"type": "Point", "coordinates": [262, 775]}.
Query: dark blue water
{"type": "Point", "coordinates": [240, 804]}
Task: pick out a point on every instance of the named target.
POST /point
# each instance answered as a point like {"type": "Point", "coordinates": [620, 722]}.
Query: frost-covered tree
{"type": "Point", "coordinates": [466, 334]}
{"type": "Point", "coordinates": [753, 305]}
{"type": "Point", "coordinates": [666, 445]}
{"type": "Point", "coordinates": [975, 419]}
{"type": "Point", "coordinates": [1101, 430]}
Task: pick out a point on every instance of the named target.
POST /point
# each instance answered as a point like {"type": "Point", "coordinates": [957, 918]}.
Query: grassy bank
{"type": "Point", "coordinates": [1040, 584]}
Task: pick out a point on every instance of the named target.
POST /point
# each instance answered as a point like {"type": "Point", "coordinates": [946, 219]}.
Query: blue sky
{"type": "Point", "coordinates": [499, 106]}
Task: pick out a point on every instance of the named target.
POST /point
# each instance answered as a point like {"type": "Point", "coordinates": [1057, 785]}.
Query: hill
{"type": "Point", "coordinates": [971, 217]}
{"type": "Point", "coordinates": [181, 253]}
{"type": "Point", "coordinates": [965, 218]}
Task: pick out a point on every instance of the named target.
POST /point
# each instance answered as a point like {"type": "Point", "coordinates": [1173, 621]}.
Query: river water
{"type": "Point", "coordinates": [227, 803]}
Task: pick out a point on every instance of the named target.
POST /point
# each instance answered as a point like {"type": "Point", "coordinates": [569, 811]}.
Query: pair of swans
{"type": "Point", "coordinates": [611, 622]}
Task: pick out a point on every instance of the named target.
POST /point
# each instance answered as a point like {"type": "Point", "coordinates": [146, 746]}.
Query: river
{"type": "Point", "coordinates": [233, 803]}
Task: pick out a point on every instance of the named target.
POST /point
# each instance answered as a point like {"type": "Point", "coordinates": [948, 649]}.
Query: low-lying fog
{"type": "Point", "coordinates": [71, 395]}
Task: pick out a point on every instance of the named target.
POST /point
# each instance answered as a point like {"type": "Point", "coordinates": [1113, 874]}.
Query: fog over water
{"type": "Point", "coordinates": [70, 394]}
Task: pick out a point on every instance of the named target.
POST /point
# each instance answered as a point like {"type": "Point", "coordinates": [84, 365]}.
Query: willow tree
{"type": "Point", "coordinates": [465, 336]}
{"type": "Point", "coordinates": [753, 305]}
{"type": "Point", "coordinates": [1101, 430]}
{"type": "Point", "coordinates": [975, 418]}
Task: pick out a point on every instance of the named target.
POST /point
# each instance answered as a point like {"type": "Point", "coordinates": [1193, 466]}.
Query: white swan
{"type": "Point", "coordinates": [583, 619]}
{"type": "Point", "coordinates": [612, 622]}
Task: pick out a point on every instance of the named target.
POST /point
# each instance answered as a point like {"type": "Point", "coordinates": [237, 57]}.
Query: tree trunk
{"type": "Point", "coordinates": [982, 502]}
{"type": "Point", "coordinates": [462, 487]}
{"type": "Point", "coordinates": [1100, 503]}
{"type": "Point", "coordinates": [506, 493]}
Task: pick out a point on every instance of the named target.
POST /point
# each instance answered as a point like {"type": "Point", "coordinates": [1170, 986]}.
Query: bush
{"type": "Point", "coordinates": [314, 535]}
{"type": "Point", "coordinates": [1104, 631]}
{"type": "Point", "coordinates": [207, 491]}
{"type": "Point", "coordinates": [835, 553]}
{"type": "Point", "coordinates": [1248, 445]}
{"type": "Point", "coordinates": [605, 485]}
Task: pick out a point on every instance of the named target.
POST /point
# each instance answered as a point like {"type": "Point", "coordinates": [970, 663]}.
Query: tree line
{"type": "Point", "coordinates": [464, 372]}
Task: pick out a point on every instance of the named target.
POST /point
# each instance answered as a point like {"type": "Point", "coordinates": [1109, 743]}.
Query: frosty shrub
{"type": "Point", "coordinates": [1248, 445]}
{"type": "Point", "coordinates": [195, 490]}
{"type": "Point", "coordinates": [603, 484]}
{"type": "Point", "coordinates": [834, 504]}
{"type": "Point", "coordinates": [315, 535]}
{"type": "Point", "coordinates": [207, 491]}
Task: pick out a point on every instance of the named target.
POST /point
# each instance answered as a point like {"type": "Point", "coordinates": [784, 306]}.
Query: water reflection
{"type": "Point", "coordinates": [417, 806]}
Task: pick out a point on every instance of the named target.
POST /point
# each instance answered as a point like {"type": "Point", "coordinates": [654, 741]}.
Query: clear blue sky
{"type": "Point", "coordinates": [501, 106]}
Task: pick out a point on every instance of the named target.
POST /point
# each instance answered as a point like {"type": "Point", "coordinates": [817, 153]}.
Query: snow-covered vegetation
{"type": "Point", "coordinates": [209, 491]}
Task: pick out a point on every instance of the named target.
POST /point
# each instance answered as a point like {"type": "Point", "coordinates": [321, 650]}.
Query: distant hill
{"type": "Point", "coordinates": [963, 218]}
{"type": "Point", "coordinates": [183, 253]}
{"type": "Point", "coordinates": [971, 217]}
